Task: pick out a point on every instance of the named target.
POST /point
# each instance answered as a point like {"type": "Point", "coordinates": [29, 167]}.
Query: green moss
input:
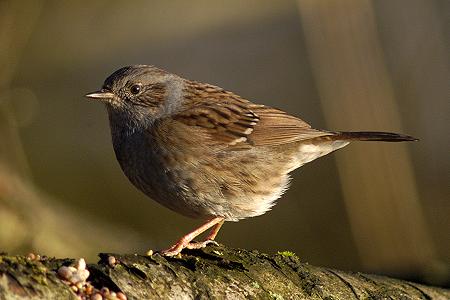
{"type": "Point", "coordinates": [40, 278]}
{"type": "Point", "coordinates": [286, 253]}
{"type": "Point", "coordinates": [35, 277]}
{"type": "Point", "coordinates": [255, 285]}
{"type": "Point", "coordinates": [218, 252]}
{"type": "Point", "coordinates": [275, 296]}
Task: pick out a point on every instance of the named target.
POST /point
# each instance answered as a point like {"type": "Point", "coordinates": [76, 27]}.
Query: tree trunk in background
{"type": "Point", "coordinates": [418, 58]}
{"type": "Point", "coordinates": [356, 94]}
{"type": "Point", "coordinates": [215, 272]}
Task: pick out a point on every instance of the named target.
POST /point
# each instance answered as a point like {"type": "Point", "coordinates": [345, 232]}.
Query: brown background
{"type": "Point", "coordinates": [344, 65]}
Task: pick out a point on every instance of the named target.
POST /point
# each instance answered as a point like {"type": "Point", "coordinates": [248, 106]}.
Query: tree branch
{"type": "Point", "coordinates": [215, 272]}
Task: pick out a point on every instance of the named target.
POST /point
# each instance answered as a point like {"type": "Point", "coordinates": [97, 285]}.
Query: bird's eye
{"type": "Point", "coordinates": [135, 89]}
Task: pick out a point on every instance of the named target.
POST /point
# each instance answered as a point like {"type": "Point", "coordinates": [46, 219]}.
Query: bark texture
{"type": "Point", "coordinates": [215, 272]}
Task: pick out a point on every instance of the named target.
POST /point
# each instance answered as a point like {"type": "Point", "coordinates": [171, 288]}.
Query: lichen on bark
{"type": "Point", "coordinates": [215, 272]}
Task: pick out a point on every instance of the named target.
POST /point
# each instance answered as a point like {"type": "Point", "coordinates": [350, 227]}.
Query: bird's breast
{"type": "Point", "coordinates": [164, 174]}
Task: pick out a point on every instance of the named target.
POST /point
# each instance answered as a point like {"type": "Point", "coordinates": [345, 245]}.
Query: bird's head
{"type": "Point", "coordinates": [139, 94]}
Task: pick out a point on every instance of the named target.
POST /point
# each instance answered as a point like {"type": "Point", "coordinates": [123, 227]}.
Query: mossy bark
{"type": "Point", "coordinates": [215, 272]}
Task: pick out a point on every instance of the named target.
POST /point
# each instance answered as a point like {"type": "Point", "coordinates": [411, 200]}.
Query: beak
{"type": "Point", "coordinates": [100, 95]}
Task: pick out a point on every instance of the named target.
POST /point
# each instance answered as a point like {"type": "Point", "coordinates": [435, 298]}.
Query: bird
{"type": "Point", "coordinates": [205, 152]}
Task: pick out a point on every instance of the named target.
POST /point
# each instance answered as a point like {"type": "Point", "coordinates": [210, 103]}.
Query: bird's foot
{"type": "Point", "coordinates": [178, 247]}
{"type": "Point", "coordinates": [175, 249]}
{"type": "Point", "coordinates": [199, 245]}
{"type": "Point", "coordinates": [186, 241]}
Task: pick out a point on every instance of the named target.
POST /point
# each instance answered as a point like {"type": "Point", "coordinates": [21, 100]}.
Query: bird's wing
{"type": "Point", "coordinates": [276, 127]}
{"type": "Point", "coordinates": [238, 124]}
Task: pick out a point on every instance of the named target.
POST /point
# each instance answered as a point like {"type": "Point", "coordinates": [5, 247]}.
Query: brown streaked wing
{"type": "Point", "coordinates": [231, 120]}
{"type": "Point", "coordinates": [237, 125]}
{"type": "Point", "coordinates": [228, 123]}
{"type": "Point", "coordinates": [276, 127]}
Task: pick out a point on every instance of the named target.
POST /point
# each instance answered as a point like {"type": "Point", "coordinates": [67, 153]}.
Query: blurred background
{"type": "Point", "coordinates": [341, 65]}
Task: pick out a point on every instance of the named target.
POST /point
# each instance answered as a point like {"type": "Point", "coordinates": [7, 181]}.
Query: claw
{"type": "Point", "coordinates": [199, 245]}
{"type": "Point", "coordinates": [186, 241]}
{"type": "Point", "coordinates": [169, 252]}
{"type": "Point", "coordinates": [177, 248]}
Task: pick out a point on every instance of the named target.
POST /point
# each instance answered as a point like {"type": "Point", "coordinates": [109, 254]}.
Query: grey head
{"type": "Point", "coordinates": [138, 95]}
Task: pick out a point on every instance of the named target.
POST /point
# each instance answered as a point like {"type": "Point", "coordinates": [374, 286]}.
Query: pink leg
{"type": "Point", "coordinates": [209, 238]}
{"type": "Point", "coordinates": [212, 235]}
{"type": "Point", "coordinates": [185, 241]}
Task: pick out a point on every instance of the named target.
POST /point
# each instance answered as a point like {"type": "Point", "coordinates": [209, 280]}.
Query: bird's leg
{"type": "Point", "coordinates": [215, 230]}
{"type": "Point", "coordinates": [185, 241]}
{"type": "Point", "coordinates": [209, 238]}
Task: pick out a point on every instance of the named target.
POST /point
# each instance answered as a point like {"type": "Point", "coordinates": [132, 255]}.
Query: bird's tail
{"type": "Point", "coordinates": [371, 136]}
{"type": "Point", "coordinates": [319, 146]}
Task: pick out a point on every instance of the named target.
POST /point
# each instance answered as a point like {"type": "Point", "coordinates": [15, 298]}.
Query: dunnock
{"type": "Point", "coordinates": [205, 152]}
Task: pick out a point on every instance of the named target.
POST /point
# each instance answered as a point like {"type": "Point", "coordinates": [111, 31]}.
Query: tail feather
{"type": "Point", "coordinates": [372, 136]}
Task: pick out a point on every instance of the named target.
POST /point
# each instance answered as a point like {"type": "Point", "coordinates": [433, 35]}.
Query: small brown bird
{"type": "Point", "coordinates": [205, 152]}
